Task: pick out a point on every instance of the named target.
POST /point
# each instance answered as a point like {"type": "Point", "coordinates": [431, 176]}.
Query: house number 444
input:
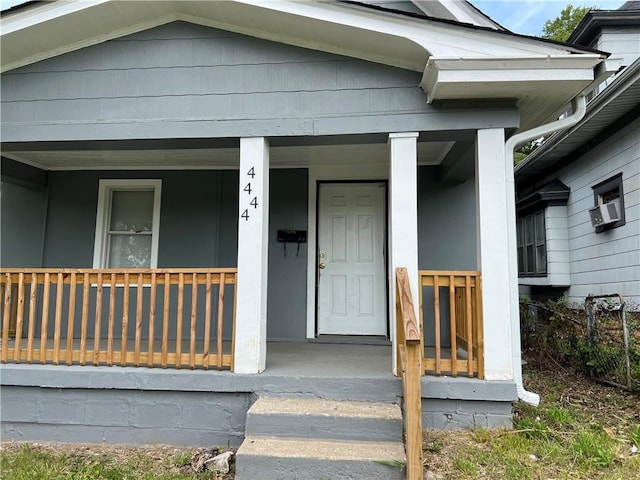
{"type": "Point", "coordinates": [253, 202]}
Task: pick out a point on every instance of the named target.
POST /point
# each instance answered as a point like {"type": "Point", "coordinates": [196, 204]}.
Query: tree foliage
{"type": "Point", "coordinates": [562, 27]}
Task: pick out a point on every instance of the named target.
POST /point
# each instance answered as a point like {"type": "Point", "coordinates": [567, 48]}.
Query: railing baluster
{"type": "Point", "coordinates": [436, 319]}
{"type": "Point", "coordinates": [421, 320]}
{"type": "Point", "coordinates": [152, 317]}
{"type": "Point", "coordinates": [32, 316]}
{"type": "Point", "coordinates": [125, 321]}
{"type": "Point", "coordinates": [6, 316]}
{"type": "Point", "coordinates": [71, 318]}
{"type": "Point", "coordinates": [85, 317]}
{"type": "Point", "coordinates": [469, 317]}
{"type": "Point", "coordinates": [207, 323]}
{"type": "Point", "coordinates": [112, 316]}
{"type": "Point", "coordinates": [58, 318]}
{"type": "Point", "coordinates": [136, 355]}
{"type": "Point", "coordinates": [194, 311]}
{"type": "Point", "coordinates": [452, 323]}
{"type": "Point", "coordinates": [179, 320]}
{"type": "Point", "coordinates": [479, 327]}
{"type": "Point", "coordinates": [19, 318]}
{"type": "Point", "coordinates": [165, 320]}
{"type": "Point", "coordinates": [98, 321]}
{"type": "Point", "coordinates": [220, 330]}
{"type": "Point", "coordinates": [45, 318]}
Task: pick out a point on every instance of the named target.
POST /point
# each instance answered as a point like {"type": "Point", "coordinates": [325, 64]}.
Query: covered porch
{"type": "Point", "coordinates": [185, 318]}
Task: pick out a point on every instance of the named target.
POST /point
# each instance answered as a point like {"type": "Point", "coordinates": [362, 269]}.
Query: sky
{"type": "Point", "coordinates": [519, 16]}
{"type": "Point", "coordinates": [528, 16]}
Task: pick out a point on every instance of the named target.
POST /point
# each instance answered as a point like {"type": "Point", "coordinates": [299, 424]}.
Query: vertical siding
{"type": "Point", "coordinates": [621, 43]}
{"type": "Point", "coordinates": [607, 262]}
{"type": "Point", "coordinates": [558, 271]}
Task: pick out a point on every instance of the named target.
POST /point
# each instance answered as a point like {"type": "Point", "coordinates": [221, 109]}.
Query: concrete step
{"type": "Point", "coordinates": [324, 419]}
{"type": "Point", "coordinates": [271, 458]}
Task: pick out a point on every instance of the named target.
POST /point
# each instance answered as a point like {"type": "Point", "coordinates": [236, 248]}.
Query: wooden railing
{"type": "Point", "coordinates": [410, 369]}
{"type": "Point", "coordinates": [158, 318]}
{"type": "Point", "coordinates": [455, 300]}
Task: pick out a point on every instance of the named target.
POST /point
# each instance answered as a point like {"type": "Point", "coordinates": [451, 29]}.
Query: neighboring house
{"type": "Point", "coordinates": [296, 153]}
{"type": "Point", "coordinates": [578, 195]}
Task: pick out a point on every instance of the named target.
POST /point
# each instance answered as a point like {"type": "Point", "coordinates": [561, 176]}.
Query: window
{"type": "Point", "coordinates": [127, 223]}
{"type": "Point", "coordinates": [610, 191]}
{"type": "Point", "coordinates": [532, 248]}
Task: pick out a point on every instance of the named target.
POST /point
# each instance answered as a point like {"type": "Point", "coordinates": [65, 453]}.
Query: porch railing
{"type": "Point", "coordinates": [452, 300]}
{"type": "Point", "coordinates": [410, 370]}
{"type": "Point", "coordinates": [154, 318]}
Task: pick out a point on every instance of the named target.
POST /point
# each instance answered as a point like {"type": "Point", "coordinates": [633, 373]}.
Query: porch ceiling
{"type": "Point", "coordinates": [429, 153]}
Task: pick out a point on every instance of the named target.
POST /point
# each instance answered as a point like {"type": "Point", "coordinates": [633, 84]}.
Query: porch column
{"type": "Point", "coordinates": [493, 237]}
{"type": "Point", "coordinates": [253, 227]}
{"type": "Point", "coordinates": [403, 216]}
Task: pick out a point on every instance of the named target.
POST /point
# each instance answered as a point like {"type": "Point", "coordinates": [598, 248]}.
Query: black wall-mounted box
{"type": "Point", "coordinates": [292, 236]}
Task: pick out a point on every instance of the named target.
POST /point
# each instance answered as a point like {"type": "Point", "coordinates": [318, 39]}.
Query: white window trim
{"type": "Point", "coordinates": [106, 186]}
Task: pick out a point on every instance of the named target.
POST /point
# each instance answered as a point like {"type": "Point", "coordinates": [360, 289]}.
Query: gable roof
{"type": "Point", "coordinates": [459, 60]}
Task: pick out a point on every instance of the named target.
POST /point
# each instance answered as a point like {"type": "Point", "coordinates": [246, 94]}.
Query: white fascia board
{"type": "Point", "coordinates": [43, 12]}
{"type": "Point", "coordinates": [440, 72]}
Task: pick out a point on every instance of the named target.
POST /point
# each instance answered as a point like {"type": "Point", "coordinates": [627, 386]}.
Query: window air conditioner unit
{"type": "Point", "coordinates": [605, 214]}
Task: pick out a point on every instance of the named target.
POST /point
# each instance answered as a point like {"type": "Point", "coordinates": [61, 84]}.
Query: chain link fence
{"type": "Point", "coordinates": [600, 338]}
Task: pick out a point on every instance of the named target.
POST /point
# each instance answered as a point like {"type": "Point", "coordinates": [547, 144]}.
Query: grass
{"type": "Point", "coordinates": [35, 462]}
{"type": "Point", "coordinates": [581, 430]}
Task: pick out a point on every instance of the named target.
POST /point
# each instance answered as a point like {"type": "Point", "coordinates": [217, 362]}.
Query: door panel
{"type": "Point", "coordinates": [352, 296]}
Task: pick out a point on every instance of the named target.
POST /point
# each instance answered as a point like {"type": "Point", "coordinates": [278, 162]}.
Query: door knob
{"type": "Point", "coordinates": [322, 266]}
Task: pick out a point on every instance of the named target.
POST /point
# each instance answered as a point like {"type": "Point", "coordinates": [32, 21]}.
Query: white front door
{"type": "Point", "coordinates": [352, 297]}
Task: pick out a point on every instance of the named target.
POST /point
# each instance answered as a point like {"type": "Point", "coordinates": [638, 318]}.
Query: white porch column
{"type": "Point", "coordinates": [253, 227]}
{"type": "Point", "coordinates": [493, 237]}
{"type": "Point", "coordinates": [403, 217]}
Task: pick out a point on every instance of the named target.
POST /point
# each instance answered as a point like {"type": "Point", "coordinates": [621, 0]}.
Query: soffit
{"type": "Point", "coordinates": [429, 153]}
{"type": "Point", "coordinates": [620, 98]}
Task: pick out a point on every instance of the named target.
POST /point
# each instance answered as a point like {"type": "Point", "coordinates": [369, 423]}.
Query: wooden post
{"type": "Point", "coordinates": [19, 320]}
{"type": "Point", "coordinates": [179, 320]}
{"type": "Point", "coordinates": [220, 331]}
{"type": "Point", "coordinates": [32, 317]}
{"type": "Point", "coordinates": [71, 317]}
{"type": "Point", "coordinates": [98, 321]}
{"type": "Point", "coordinates": [410, 360]}
{"type": "Point", "coordinates": [194, 317]}
{"type": "Point", "coordinates": [165, 320]}
{"type": "Point", "coordinates": [152, 317]}
{"type": "Point", "coordinates": [207, 323]}
{"type": "Point", "coordinates": [58, 319]}
{"type": "Point", "coordinates": [436, 319]}
{"type": "Point", "coordinates": [125, 320]}
{"type": "Point", "coordinates": [112, 313]}
{"type": "Point", "coordinates": [85, 318]}
{"type": "Point", "coordinates": [45, 318]}
{"type": "Point", "coordinates": [5, 318]}
{"type": "Point", "coordinates": [138, 337]}
{"type": "Point", "coordinates": [469, 317]}
{"type": "Point", "coordinates": [452, 326]}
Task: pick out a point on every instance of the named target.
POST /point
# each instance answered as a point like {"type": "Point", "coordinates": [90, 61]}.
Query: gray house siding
{"type": "Point", "coordinates": [623, 42]}
{"type": "Point", "coordinates": [606, 262]}
{"type": "Point", "coordinates": [446, 238]}
{"type": "Point", "coordinates": [187, 81]}
{"type": "Point", "coordinates": [190, 217]}
{"type": "Point", "coordinates": [22, 220]}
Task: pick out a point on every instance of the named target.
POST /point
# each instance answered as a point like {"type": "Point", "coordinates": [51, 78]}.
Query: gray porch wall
{"type": "Point", "coordinates": [198, 223]}
{"type": "Point", "coordinates": [182, 80]}
{"type": "Point", "coordinates": [446, 238]}
{"type": "Point", "coordinates": [22, 217]}
{"type": "Point", "coordinates": [198, 228]}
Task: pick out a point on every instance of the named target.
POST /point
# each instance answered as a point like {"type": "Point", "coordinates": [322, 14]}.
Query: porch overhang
{"type": "Point", "coordinates": [542, 84]}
